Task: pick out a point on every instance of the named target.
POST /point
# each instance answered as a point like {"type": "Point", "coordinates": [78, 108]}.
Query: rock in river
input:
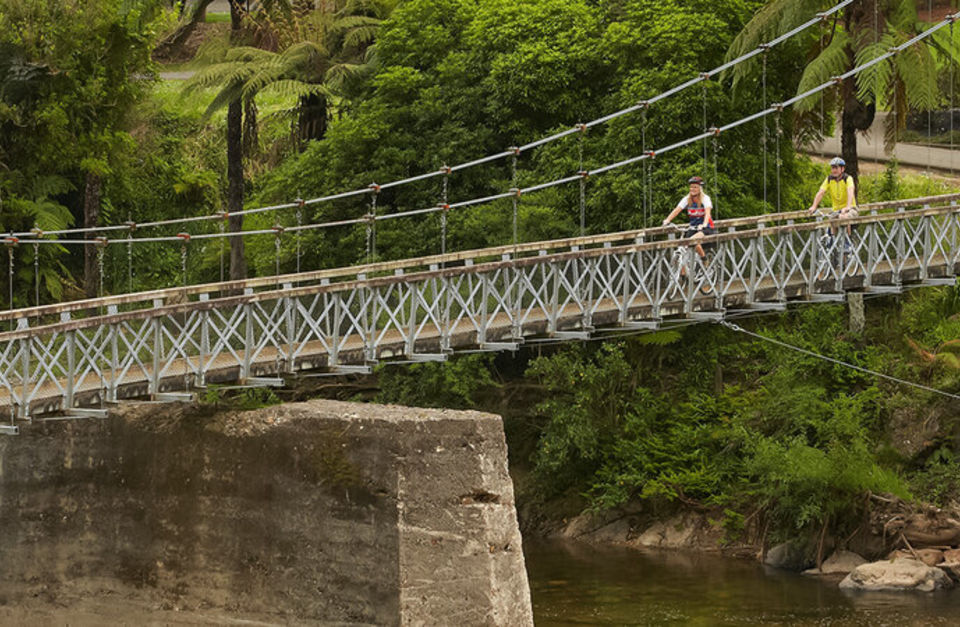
{"type": "Point", "coordinates": [899, 574]}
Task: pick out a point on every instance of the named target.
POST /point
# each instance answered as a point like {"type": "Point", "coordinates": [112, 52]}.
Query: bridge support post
{"type": "Point", "coordinates": [927, 246]}
{"type": "Point", "coordinates": [157, 325]}
{"type": "Point", "coordinates": [248, 339]}
{"type": "Point", "coordinates": [112, 389]}
{"type": "Point", "coordinates": [71, 348]}
{"type": "Point", "coordinates": [900, 228]}
{"type": "Point", "coordinates": [290, 313]}
{"type": "Point", "coordinates": [26, 346]}
{"type": "Point", "coordinates": [204, 349]}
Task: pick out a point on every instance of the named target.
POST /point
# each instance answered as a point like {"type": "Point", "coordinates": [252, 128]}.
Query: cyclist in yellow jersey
{"type": "Point", "coordinates": [842, 190]}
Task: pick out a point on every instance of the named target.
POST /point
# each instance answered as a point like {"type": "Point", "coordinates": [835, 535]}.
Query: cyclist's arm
{"type": "Point", "coordinates": [817, 199]}
{"type": "Point", "coordinates": [673, 214]}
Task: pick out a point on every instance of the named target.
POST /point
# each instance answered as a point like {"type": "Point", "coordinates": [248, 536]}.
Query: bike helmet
{"type": "Point", "coordinates": [837, 161]}
{"type": "Point", "coordinates": [695, 179]}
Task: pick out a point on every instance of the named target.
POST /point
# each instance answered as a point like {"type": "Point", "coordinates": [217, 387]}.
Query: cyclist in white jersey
{"type": "Point", "coordinates": [698, 207]}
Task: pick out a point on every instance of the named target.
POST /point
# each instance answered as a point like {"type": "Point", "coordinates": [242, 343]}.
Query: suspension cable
{"type": "Point", "coordinates": [776, 108]}
{"type": "Point", "coordinates": [703, 76]}
{"type": "Point", "coordinates": [739, 329]}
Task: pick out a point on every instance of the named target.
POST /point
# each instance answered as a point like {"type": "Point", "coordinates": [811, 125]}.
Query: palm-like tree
{"type": "Point", "coordinates": [300, 51]}
{"type": "Point", "coordinates": [863, 31]}
{"type": "Point", "coordinates": [308, 55]}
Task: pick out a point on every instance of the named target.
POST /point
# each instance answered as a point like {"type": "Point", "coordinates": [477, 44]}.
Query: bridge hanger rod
{"type": "Point", "coordinates": [702, 76]}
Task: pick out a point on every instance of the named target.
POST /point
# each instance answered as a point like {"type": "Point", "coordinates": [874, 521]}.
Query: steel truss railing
{"type": "Point", "coordinates": [426, 309]}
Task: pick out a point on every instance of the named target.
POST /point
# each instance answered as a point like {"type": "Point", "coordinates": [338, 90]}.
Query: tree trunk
{"type": "Point", "coordinates": [170, 46]}
{"type": "Point", "coordinates": [251, 138]}
{"type": "Point", "coordinates": [856, 116]}
{"type": "Point", "coordinates": [312, 120]}
{"type": "Point", "coordinates": [238, 261]}
{"type": "Point", "coordinates": [91, 218]}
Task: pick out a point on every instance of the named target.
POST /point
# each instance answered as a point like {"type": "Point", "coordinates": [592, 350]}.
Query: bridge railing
{"type": "Point", "coordinates": [491, 299]}
{"type": "Point", "coordinates": [149, 300]}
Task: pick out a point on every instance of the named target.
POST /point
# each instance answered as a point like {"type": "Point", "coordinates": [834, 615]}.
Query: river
{"type": "Point", "coordinates": [581, 584]}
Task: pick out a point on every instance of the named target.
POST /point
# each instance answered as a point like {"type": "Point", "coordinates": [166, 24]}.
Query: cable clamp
{"type": "Point", "coordinates": [777, 106]}
{"type": "Point", "coordinates": [582, 127]}
{"type": "Point", "coordinates": [516, 191]}
{"type": "Point", "coordinates": [37, 231]}
{"type": "Point", "coordinates": [823, 15]}
{"type": "Point", "coordinates": [277, 228]}
{"type": "Point", "coordinates": [445, 169]}
{"type": "Point", "coordinates": [300, 203]}
{"type": "Point", "coordinates": [651, 153]}
{"type": "Point", "coordinates": [705, 76]}
{"type": "Point", "coordinates": [644, 104]}
{"type": "Point", "coordinates": [584, 174]}
{"type": "Point", "coordinates": [184, 236]}
{"type": "Point", "coordinates": [370, 217]}
{"type": "Point", "coordinates": [373, 187]}
{"type": "Point", "coordinates": [836, 80]}
{"type": "Point", "coordinates": [515, 150]}
{"type": "Point", "coordinates": [714, 130]}
{"type": "Point", "coordinates": [894, 50]}
{"type": "Point", "coordinates": [764, 47]}
{"type": "Point", "coordinates": [11, 241]}
{"type": "Point", "coordinates": [225, 215]}
{"type": "Point", "coordinates": [131, 225]}
{"type": "Point", "coordinates": [101, 241]}
{"type": "Point", "coordinates": [445, 207]}
{"type": "Point", "coordinates": [953, 17]}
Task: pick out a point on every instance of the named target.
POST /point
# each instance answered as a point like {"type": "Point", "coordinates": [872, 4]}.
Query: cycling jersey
{"type": "Point", "coordinates": [697, 210]}
{"type": "Point", "coordinates": [838, 188]}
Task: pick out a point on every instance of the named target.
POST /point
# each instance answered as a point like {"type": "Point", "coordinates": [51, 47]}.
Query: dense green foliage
{"type": "Point", "coordinates": [696, 416]}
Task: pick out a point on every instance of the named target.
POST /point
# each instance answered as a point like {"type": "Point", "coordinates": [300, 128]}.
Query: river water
{"type": "Point", "coordinates": [580, 584]}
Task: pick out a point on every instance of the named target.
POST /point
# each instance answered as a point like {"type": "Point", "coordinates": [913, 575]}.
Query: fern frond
{"type": "Point", "coordinates": [831, 62]}
{"type": "Point", "coordinates": [290, 88]}
{"type": "Point", "coordinates": [874, 82]}
{"type": "Point", "coordinates": [918, 71]}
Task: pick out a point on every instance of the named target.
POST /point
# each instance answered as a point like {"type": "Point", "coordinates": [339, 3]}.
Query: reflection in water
{"type": "Point", "coordinates": [581, 584]}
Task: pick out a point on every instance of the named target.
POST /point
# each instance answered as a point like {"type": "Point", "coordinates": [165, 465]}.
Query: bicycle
{"type": "Point", "coordinates": [834, 247]}
{"type": "Point", "coordinates": [682, 260]}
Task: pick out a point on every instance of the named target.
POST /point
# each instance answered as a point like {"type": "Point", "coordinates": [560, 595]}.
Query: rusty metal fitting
{"type": "Point", "coordinates": [184, 236]}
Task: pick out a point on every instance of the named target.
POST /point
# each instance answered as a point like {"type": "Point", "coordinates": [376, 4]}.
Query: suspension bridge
{"type": "Point", "coordinates": [71, 359]}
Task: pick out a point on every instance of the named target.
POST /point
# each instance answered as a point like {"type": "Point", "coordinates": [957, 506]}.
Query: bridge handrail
{"type": "Point", "coordinates": [760, 222]}
{"type": "Point", "coordinates": [427, 261]}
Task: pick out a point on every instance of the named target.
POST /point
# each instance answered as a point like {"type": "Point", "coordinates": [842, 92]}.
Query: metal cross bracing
{"type": "Point", "coordinates": [260, 331]}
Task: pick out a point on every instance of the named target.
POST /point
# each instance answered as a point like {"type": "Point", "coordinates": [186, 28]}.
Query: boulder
{"type": "Point", "coordinates": [841, 562]}
{"type": "Point", "coordinates": [951, 555]}
{"type": "Point", "coordinates": [788, 556]}
{"type": "Point", "coordinates": [930, 557]}
{"type": "Point", "coordinates": [951, 568]}
{"type": "Point", "coordinates": [899, 574]}
{"type": "Point", "coordinates": [677, 532]}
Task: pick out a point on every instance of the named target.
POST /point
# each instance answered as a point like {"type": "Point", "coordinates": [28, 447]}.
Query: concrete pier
{"type": "Point", "coordinates": [319, 511]}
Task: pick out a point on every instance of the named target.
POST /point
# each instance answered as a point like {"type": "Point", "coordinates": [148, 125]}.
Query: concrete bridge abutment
{"type": "Point", "coordinates": [319, 511]}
